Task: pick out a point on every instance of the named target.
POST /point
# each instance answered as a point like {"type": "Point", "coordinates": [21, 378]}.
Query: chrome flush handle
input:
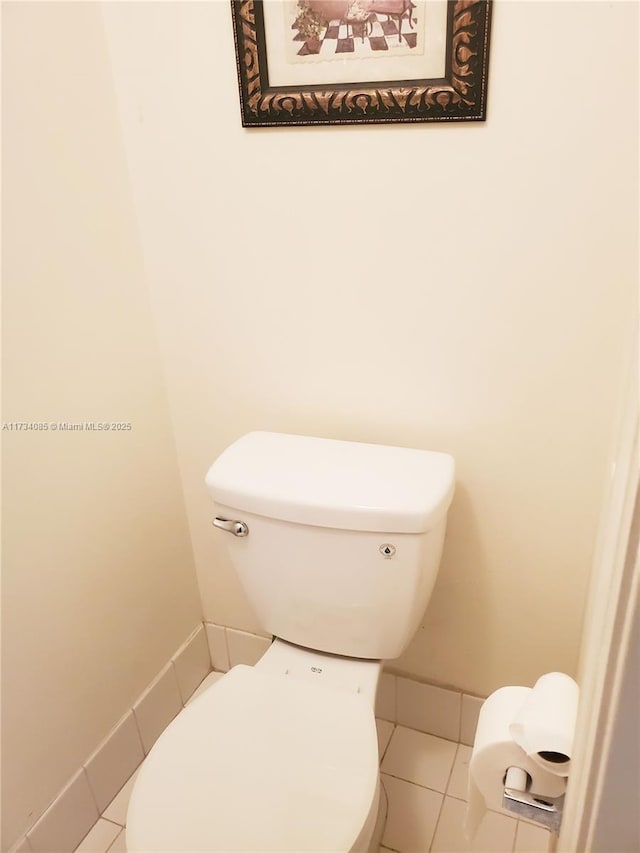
{"type": "Point", "coordinates": [238, 528]}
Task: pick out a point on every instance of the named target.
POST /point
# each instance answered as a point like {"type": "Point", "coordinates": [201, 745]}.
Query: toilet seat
{"type": "Point", "coordinates": [259, 762]}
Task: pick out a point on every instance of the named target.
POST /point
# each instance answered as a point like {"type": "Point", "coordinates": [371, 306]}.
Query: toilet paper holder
{"type": "Point", "coordinates": [544, 810]}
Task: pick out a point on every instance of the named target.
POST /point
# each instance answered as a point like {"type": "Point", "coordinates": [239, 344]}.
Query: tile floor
{"type": "Point", "coordinates": [425, 778]}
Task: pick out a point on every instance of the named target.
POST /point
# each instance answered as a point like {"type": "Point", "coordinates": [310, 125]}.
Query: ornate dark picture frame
{"type": "Point", "coordinates": [461, 95]}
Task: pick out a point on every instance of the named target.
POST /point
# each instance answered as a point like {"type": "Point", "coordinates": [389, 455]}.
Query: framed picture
{"type": "Point", "coordinates": [306, 62]}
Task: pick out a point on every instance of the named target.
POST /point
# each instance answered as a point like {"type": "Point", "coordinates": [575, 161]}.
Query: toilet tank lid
{"type": "Point", "coordinates": [329, 483]}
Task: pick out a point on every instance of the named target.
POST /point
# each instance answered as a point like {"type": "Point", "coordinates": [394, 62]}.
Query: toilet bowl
{"type": "Point", "coordinates": [266, 759]}
{"type": "Point", "coordinates": [337, 545]}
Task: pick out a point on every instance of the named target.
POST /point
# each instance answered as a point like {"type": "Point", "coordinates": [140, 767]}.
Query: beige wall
{"type": "Point", "coordinates": [98, 585]}
{"type": "Point", "coordinates": [460, 288]}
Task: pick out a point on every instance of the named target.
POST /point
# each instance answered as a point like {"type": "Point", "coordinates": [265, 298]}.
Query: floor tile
{"type": "Point", "coordinates": [532, 839]}
{"type": "Point", "coordinates": [412, 816]}
{"type": "Point", "coordinates": [119, 845]}
{"type": "Point", "coordinates": [208, 681]}
{"type": "Point", "coordinates": [457, 786]}
{"type": "Point", "coordinates": [100, 838]}
{"type": "Point", "coordinates": [420, 758]}
{"type": "Point", "coordinates": [385, 730]}
{"type": "Point", "coordinates": [116, 811]}
{"type": "Point", "coordinates": [496, 833]}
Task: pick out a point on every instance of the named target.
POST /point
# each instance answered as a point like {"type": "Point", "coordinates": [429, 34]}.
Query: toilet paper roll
{"type": "Point", "coordinates": [545, 724]}
{"type": "Point", "coordinates": [495, 751]}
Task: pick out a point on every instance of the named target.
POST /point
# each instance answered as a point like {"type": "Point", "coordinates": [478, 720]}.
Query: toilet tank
{"type": "Point", "coordinates": [344, 539]}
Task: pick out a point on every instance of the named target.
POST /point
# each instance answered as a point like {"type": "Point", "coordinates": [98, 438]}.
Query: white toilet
{"type": "Point", "coordinates": [337, 545]}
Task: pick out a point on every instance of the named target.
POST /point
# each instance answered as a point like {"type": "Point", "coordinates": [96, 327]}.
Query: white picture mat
{"type": "Point", "coordinates": [428, 65]}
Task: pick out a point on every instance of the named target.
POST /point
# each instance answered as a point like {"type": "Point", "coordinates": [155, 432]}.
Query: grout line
{"type": "Point", "coordinates": [241, 630]}
{"type": "Point", "coordinates": [187, 642]}
{"type": "Point", "coordinates": [515, 837]}
{"type": "Point", "coordinates": [88, 782]}
{"type": "Point", "coordinates": [431, 734]}
{"type": "Point", "coordinates": [435, 828]}
{"type": "Point", "coordinates": [446, 787]}
{"type": "Point", "coordinates": [395, 699]}
{"type": "Point", "coordinates": [135, 719]}
{"type": "Point", "coordinates": [460, 800]}
{"type": "Point", "coordinates": [206, 635]}
{"type": "Point", "coordinates": [108, 819]}
{"type": "Point", "coordinates": [417, 784]}
{"type": "Point", "coordinates": [91, 828]}
{"type": "Point", "coordinates": [226, 645]}
{"type": "Point", "coordinates": [115, 839]}
{"type": "Point", "coordinates": [384, 751]}
{"type": "Point", "coordinates": [175, 675]}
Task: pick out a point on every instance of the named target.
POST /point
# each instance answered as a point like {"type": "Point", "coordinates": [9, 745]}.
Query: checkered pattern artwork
{"type": "Point", "coordinates": [378, 32]}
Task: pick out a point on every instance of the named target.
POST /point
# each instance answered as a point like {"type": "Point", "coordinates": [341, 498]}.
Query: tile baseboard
{"type": "Point", "coordinates": [440, 711]}
{"type": "Point", "coordinates": [74, 811]}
